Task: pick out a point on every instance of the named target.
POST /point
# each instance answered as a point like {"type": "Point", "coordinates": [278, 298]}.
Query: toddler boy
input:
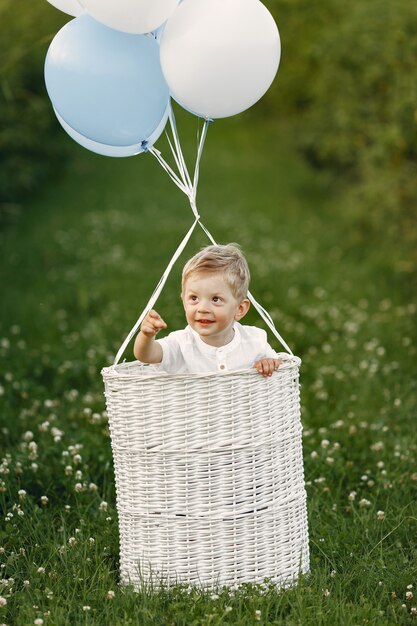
{"type": "Point", "coordinates": [214, 291]}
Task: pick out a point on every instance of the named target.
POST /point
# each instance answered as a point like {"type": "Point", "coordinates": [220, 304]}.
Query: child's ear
{"type": "Point", "coordinates": [242, 310]}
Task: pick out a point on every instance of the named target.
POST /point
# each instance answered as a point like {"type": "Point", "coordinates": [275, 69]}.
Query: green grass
{"type": "Point", "coordinates": [80, 265]}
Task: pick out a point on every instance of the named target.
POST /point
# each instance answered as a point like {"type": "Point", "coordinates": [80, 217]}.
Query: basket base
{"type": "Point", "coordinates": [271, 544]}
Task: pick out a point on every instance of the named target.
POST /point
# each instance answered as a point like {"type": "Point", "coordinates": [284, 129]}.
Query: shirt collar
{"type": "Point", "coordinates": [207, 349]}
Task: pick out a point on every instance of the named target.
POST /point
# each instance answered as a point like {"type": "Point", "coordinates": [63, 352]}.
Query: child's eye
{"type": "Point", "coordinates": [193, 298]}
{"type": "Point", "coordinates": [216, 299]}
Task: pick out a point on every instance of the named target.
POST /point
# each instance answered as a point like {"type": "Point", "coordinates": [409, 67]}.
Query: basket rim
{"type": "Point", "coordinates": [135, 369]}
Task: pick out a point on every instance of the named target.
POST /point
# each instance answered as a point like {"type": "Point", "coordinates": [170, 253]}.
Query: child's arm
{"type": "Point", "coordinates": [146, 349]}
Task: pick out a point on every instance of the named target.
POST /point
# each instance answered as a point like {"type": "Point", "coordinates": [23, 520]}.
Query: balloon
{"type": "Point", "coordinates": [131, 16]}
{"type": "Point", "coordinates": [108, 86]}
{"type": "Point", "coordinates": [72, 7]}
{"type": "Point", "coordinates": [219, 56]}
{"type": "Point", "coordinates": [114, 151]}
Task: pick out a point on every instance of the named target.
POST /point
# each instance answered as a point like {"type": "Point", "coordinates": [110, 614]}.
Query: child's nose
{"type": "Point", "coordinates": [203, 306]}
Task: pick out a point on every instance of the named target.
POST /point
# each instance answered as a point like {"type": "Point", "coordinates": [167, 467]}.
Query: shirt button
{"type": "Point", "coordinates": [222, 366]}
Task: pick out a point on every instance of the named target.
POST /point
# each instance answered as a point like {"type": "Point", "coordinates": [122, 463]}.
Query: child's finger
{"type": "Point", "coordinates": [155, 320]}
{"type": "Point", "coordinates": [266, 367]}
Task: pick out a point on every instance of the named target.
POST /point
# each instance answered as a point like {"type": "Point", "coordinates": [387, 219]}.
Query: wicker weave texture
{"type": "Point", "coordinates": [209, 475]}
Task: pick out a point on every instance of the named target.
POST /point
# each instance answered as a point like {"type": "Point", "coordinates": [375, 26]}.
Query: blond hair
{"type": "Point", "coordinates": [227, 259]}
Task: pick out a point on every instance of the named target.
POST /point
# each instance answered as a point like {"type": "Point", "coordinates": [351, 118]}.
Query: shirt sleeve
{"type": "Point", "coordinates": [173, 360]}
{"type": "Point", "coordinates": [265, 351]}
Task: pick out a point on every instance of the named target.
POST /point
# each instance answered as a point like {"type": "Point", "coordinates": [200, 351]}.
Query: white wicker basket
{"type": "Point", "coordinates": [209, 475]}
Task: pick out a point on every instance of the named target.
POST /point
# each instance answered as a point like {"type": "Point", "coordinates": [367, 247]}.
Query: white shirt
{"type": "Point", "coordinates": [185, 352]}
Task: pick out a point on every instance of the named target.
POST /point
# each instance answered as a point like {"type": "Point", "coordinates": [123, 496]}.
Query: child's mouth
{"type": "Point", "coordinates": [205, 322]}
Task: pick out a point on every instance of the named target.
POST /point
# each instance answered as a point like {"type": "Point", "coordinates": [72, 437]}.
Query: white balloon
{"type": "Point", "coordinates": [131, 16]}
{"type": "Point", "coordinates": [113, 151]}
{"type": "Point", "coordinates": [220, 56]}
{"type": "Point", "coordinates": [72, 7]}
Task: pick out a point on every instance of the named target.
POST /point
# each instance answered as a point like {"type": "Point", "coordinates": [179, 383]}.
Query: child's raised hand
{"type": "Point", "coordinates": [266, 367]}
{"type": "Point", "coordinates": [152, 324]}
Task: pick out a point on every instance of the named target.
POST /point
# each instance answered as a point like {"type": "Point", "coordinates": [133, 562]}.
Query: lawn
{"type": "Point", "coordinates": [78, 267]}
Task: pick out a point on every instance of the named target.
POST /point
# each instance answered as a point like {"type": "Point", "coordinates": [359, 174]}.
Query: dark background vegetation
{"type": "Point", "coordinates": [346, 87]}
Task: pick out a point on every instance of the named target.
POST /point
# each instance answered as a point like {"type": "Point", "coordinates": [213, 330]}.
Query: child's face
{"type": "Point", "coordinates": [211, 308]}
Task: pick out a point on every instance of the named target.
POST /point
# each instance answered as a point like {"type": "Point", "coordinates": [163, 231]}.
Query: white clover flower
{"type": "Point", "coordinates": [44, 500]}
{"type": "Point", "coordinates": [380, 515]}
{"type": "Point", "coordinates": [26, 583]}
{"type": "Point", "coordinates": [92, 487]}
{"type": "Point", "coordinates": [378, 446]}
{"type": "Point", "coordinates": [92, 540]}
{"type": "Point", "coordinates": [38, 621]}
{"type": "Point", "coordinates": [78, 487]}
{"type": "Point", "coordinates": [325, 443]}
{"type": "Point", "coordinates": [77, 458]}
{"type": "Point", "coordinates": [3, 601]}
{"type": "Point", "coordinates": [78, 475]}
{"type": "Point", "coordinates": [314, 455]}
{"type": "Point", "coordinates": [86, 608]}
{"type": "Point", "coordinates": [103, 506]}
{"type": "Point", "coordinates": [409, 595]}
{"type": "Point", "coordinates": [326, 593]}
{"type": "Point", "coordinates": [352, 496]}
{"type": "Point", "coordinates": [214, 596]}
{"type": "Point", "coordinates": [96, 418]}
{"type": "Point", "coordinates": [41, 570]}
{"type": "Point", "coordinates": [72, 541]}
{"type": "Point", "coordinates": [110, 595]}
{"type": "Point", "coordinates": [258, 615]}
{"type": "Point", "coordinates": [68, 470]}
{"type": "Point", "coordinates": [329, 460]}
{"type": "Point", "coordinates": [364, 503]}
{"type": "Point", "coordinates": [22, 494]}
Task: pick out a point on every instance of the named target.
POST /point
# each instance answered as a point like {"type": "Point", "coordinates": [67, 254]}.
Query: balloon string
{"type": "Point", "coordinates": [183, 182]}
{"type": "Point", "coordinates": [175, 135]}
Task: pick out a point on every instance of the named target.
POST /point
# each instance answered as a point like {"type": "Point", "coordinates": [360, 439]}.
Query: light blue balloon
{"type": "Point", "coordinates": [105, 84]}
{"type": "Point", "coordinates": [115, 151]}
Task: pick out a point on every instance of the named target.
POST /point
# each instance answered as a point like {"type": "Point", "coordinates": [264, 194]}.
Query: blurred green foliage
{"type": "Point", "coordinates": [348, 85]}
{"type": "Point", "coordinates": [346, 89]}
{"type": "Point", "coordinates": [30, 141]}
